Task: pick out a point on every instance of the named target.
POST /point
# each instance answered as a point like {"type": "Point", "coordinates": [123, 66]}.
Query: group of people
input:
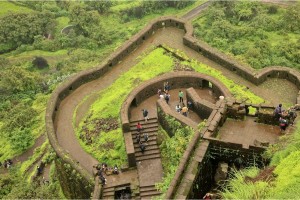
{"type": "Point", "coordinates": [165, 93]}
{"type": "Point", "coordinates": [104, 169]}
{"type": "Point", "coordinates": [184, 109]}
{"type": "Point", "coordinates": [7, 163]}
{"type": "Point", "coordinates": [285, 117]}
{"type": "Point", "coordinates": [142, 144]}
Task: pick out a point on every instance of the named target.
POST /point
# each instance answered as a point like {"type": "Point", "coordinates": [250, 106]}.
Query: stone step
{"type": "Point", "coordinates": [142, 134]}
{"type": "Point", "coordinates": [149, 143]}
{"type": "Point", "coordinates": [152, 147]}
{"type": "Point", "coordinates": [108, 189]}
{"type": "Point", "coordinates": [147, 152]}
{"type": "Point", "coordinates": [148, 130]}
{"type": "Point", "coordinates": [148, 194]}
{"type": "Point", "coordinates": [145, 127]}
{"type": "Point", "coordinates": [150, 138]}
{"type": "Point", "coordinates": [142, 121]}
{"type": "Point", "coordinates": [108, 194]}
{"type": "Point", "coordinates": [147, 188]}
{"type": "Point", "coordinates": [148, 157]}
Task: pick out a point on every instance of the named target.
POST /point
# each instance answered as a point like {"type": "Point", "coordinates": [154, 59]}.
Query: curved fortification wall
{"type": "Point", "coordinates": [83, 77]}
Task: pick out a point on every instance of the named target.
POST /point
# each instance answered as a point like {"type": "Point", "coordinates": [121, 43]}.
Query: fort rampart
{"type": "Point", "coordinates": [81, 78]}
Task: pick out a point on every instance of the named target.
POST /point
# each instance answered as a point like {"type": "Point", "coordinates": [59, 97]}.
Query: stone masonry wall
{"type": "Point", "coordinates": [83, 77]}
{"type": "Point", "coordinates": [202, 107]}
{"type": "Point", "coordinates": [73, 184]}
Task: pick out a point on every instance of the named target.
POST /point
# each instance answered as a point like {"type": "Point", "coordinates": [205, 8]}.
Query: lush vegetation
{"type": "Point", "coordinates": [24, 87]}
{"type": "Point", "coordinates": [256, 34]}
{"type": "Point", "coordinates": [172, 149]}
{"type": "Point", "coordinates": [282, 183]}
{"type": "Point", "coordinates": [98, 28]}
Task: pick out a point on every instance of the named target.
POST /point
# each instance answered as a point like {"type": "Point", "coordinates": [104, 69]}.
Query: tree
{"type": "Point", "coordinates": [292, 17]}
{"type": "Point", "coordinates": [21, 28]}
{"type": "Point", "coordinates": [17, 79]}
{"type": "Point", "coordinates": [40, 62]}
{"type": "Point", "coordinates": [100, 6]}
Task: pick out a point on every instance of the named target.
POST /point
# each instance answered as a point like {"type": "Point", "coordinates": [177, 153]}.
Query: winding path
{"type": "Point", "coordinates": [286, 91]}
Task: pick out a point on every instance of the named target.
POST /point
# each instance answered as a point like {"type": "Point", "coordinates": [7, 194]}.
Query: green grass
{"type": "Point", "coordinates": [8, 7]}
{"type": "Point", "coordinates": [110, 100]}
{"type": "Point", "coordinates": [61, 23]}
{"type": "Point", "coordinates": [258, 42]}
{"type": "Point", "coordinates": [33, 53]}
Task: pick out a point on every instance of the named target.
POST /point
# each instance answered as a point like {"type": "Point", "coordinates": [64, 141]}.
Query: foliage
{"type": "Point", "coordinates": [285, 157]}
{"type": "Point", "coordinates": [40, 62]}
{"type": "Point", "coordinates": [151, 65]}
{"type": "Point", "coordinates": [238, 188]}
{"type": "Point", "coordinates": [15, 186]}
{"type": "Point", "coordinates": [26, 26]}
{"type": "Point", "coordinates": [100, 6]}
{"type": "Point", "coordinates": [7, 7]}
{"type": "Point", "coordinates": [17, 79]}
{"type": "Point", "coordinates": [172, 150]}
{"type": "Point", "coordinates": [256, 34]}
{"type": "Point", "coordinates": [108, 147]}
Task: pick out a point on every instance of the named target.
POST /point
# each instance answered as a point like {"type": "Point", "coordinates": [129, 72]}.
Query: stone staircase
{"type": "Point", "coordinates": [108, 192]}
{"type": "Point", "coordinates": [152, 150]}
{"type": "Point", "coordinates": [149, 191]}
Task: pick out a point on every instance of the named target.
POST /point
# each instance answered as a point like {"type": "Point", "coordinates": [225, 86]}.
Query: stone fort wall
{"type": "Point", "coordinates": [83, 77]}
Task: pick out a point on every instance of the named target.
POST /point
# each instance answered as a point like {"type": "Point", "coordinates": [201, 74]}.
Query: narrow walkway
{"type": "Point", "coordinates": [196, 11]}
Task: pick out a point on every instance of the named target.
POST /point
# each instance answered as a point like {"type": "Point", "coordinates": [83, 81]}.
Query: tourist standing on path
{"type": "Point", "coordinates": [159, 92]}
{"type": "Point", "coordinates": [278, 111]}
{"type": "Point", "coordinates": [167, 97]}
{"type": "Point", "coordinates": [145, 114]}
{"type": "Point", "coordinates": [184, 110]}
{"type": "Point", "coordinates": [166, 87]}
{"type": "Point", "coordinates": [178, 108]}
{"type": "Point", "coordinates": [180, 96]}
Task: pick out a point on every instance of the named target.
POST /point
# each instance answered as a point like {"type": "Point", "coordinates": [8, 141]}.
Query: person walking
{"type": "Point", "coordinates": [139, 127]}
{"type": "Point", "coordinates": [166, 87]}
{"type": "Point", "coordinates": [146, 137]}
{"type": "Point", "coordinates": [180, 94]}
{"type": "Point", "coordinates": [145, 114]}
{"type": "Point", "coordinates": [167, 98]}
{"type": "Point", "coordinates": [184, 110]}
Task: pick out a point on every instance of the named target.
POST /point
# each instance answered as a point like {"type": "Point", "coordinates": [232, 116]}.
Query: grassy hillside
{"type": "Point", "coordinates": [9, 7]}
{"type": "Point", "coordinates": [257, 34]}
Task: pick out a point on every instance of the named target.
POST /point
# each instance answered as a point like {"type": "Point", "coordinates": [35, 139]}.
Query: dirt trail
{"type": "Point", "coordinates": [196, 11]}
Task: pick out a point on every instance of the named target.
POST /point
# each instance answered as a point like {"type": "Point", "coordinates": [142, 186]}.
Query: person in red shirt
{"type": "Point", "coordinates": [139, 127]}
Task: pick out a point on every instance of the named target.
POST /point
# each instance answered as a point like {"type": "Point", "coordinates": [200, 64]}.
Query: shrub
{"type": "Point", "coordinates": [40, 62]}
